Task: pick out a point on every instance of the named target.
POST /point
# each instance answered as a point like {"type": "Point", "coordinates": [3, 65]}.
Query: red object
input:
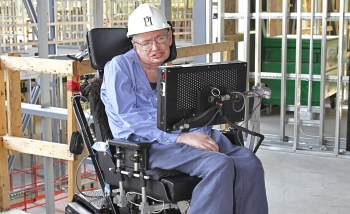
{"type": "Point", "coordinates": [73, 86]}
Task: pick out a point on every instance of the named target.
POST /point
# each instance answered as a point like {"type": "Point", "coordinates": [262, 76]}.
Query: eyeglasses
{"type": "Point", "coordinates": [145, 45]}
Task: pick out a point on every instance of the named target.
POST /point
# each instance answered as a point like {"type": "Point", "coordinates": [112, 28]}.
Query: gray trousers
{"type": "Point", "coordinates": [232, 179]}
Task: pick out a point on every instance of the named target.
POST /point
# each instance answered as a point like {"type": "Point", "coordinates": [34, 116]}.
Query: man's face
{"type": "Point", "coordinates": [153, 47]}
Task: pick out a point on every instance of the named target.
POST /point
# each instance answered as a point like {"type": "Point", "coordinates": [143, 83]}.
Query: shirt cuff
{"type": "Point", "coordinates": [166, 138]}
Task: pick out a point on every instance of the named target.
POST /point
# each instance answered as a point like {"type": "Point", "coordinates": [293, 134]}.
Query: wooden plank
{"type": "Point", "coordinates": [183, 33]}
{"type": "Point", "coordinates": [60, 42]}
{"type": "Point", "coordinates": [234, 38]}
{"type": "Point", "coordinates": [39, 65]}
{"type": "Point", "coordinates": [13, 88]}
{"type": "Point", "coordinates": [230, 35]}
{"type": "Point", "coordinates": [83, 67]}
{"type": "Point", "coordinates": [195, 50]}
{"type": "Point", "coordinates": [37, 147]}
{"type": "Point", "coordinates": [4, 178]}
{"type": "Point", "coordinates": [307, 30]}
{"type": "Point", "coordinates": [30, 25]}
{"type": "Point", "coordinates": [73, 164]}
{"type": "Point", "coordinates": [275, 24]}
{"type": "Point", "coordinates": [230, 25]}
{"type": "Point", "coordinates": [3, 122]}
{"type": "Point", "coordinates": [4, 181]}
{"type": "Point", "coordinates": [227, 56]}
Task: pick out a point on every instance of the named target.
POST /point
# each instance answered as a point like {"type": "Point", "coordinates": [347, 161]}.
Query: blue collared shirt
{"type": "Point", "coordinates": [131, 104]}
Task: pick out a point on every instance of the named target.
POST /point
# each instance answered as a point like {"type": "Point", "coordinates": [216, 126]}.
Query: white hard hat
{"type": "Point", "coordinates": [146, 18]}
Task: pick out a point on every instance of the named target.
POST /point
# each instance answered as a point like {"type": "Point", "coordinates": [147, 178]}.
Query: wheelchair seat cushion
{"type": "Point", "coordinates": [166, 185]}
{"type": "Point", "coordinates": [158, 174]}
{"type": "Point", "coordinates": [180, 187]}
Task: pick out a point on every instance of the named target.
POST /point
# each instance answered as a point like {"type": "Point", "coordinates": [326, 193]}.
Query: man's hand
{"type": "Point", "coordinates": [198, 140]}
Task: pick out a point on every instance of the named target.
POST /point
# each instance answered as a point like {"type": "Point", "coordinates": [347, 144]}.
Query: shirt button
{"type": "Point", "coordinates": [167, 140]}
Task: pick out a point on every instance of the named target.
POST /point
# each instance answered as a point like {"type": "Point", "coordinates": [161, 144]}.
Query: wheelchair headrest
{"type": "Point", "coordinates": [105, 43]}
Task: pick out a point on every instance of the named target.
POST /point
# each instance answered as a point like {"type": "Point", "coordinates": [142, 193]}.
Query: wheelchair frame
{"type": "Point", "coordinates": [124, 168]}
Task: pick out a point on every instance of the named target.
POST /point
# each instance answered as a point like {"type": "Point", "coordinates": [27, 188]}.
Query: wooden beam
{"type": "Point", "coordinates": [70, 67]}
{"type": "Point", "coordinates": [230, 26]}
{"type": "Point", "coordinates": [307, 30]}
{"type": "Point", "coordinates": [13, 89]}
{"type": "Point", "coordinates": [234, 38]}
{"type": "Point", "coordinates": [275, 24]}
{"type": "Point", "coordinates": [38, 65]}
{"type": "Point", "coordinates": [4, 178]}
{"type": "Point", "coordinates": [73, 164]}
{"type": "Point", "coordinates": [37, 147]}
{"type": "Point", "coordinates": [230, 35]}
{"type": "Point", "coordinates": [83, 67]}
{"type": "Point", "coordinates": [3, 122]}
{"type": "Point", "coordinates": [37, 43]}
{"type": "Point", "coordinates": [195, 50]}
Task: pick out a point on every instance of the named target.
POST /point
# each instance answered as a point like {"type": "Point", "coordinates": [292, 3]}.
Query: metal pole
{"type": "Point", "coordinates": [45, 102]}
{"type": "Point", "coordinates": [341, 70]}
{"type": "Point", "coordinates": [323, 70]}
{"type": "Point", "coordinates": [348, 124]}
{"type": "Point", "coordinates": [297, 78]}
{"type": "Point", "coordinates": [199, 28]}
{"type": "Point", "coordinates": [317, 9]}
{"type": "Point", "coordinates": [165, 7]}
{"type": "Point", "coordinates": [246, 48]}
{"type": "Point", "coordinates": [257, 68]}
{"type": "Point", "coordinates": [209, 31]}
{"type": "Point", "coordinates": [52, 47]}
{"type": "Point", "coordinates": [221, 24]}
{"type": "Point", "coordinates": [98, 13]}
{"type": "Point", "coordinates": [284, 70]}
{"type": "Point", "coordinates": [309, 98]}
{"type": "Point", "coordinates": [258, 10]}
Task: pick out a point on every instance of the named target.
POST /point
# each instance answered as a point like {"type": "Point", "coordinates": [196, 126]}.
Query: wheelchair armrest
{"type": "Point", "coordinates": [129, 148]}
{"type": "Point", "coordinates": [234, 136]}
{"type": "Point", "coordinates": [130, 144]}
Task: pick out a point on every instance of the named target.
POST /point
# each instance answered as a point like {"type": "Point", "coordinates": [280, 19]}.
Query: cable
{"type": "Point", "coordinates": [193, 119]}
{"type": "Point", "coordinates": [239, 140]}
{"type": "Point", "coordinates": [206, 123]}
{"type": "Point", "coordinates": [136, 193]}
{"type": "Point", "coordinates": [245, 130]}
{"type": "Point", "coordinates": [307, 135]}
{"type": "Point", "coordinates": [76, 180]}
{"type": "Point", "coordinates": [83, 159]}
{"type": "Point", "coordinates": [253, 110]}
{"type": "Point", "coordinates": [233, 103]}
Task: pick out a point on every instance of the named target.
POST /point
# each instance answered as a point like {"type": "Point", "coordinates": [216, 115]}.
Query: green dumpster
{"type": "Point", "coordinates": [271, 62]}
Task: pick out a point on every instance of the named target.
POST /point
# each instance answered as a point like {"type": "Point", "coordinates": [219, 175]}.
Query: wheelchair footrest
{"type": "Point", "coordinates": [93, 201]}
{"type": "Point", "coordinates": [76, 208]}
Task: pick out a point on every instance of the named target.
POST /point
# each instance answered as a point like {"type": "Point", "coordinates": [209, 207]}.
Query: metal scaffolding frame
{"type": "Point", "coordinates": [342, 17]}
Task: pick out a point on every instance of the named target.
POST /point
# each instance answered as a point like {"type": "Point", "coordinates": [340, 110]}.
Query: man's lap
{"type": "Point", "coordinates": [186, 158]}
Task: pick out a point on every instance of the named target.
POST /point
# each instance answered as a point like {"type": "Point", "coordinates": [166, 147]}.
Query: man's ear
{"type": "Point", "coordinates": [170, 36]}
{"type": "Point", "coordinates": [133, 45]}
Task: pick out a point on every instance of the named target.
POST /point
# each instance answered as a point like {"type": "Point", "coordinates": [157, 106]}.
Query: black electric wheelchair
{"type": "Point", "coordinates": [127, 184]}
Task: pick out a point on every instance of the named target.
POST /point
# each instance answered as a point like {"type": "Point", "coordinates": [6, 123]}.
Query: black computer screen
{"type": "Point", "coordinates": [189, 95]}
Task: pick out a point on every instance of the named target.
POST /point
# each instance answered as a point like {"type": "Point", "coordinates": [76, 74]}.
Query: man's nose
{"type": "Point", "coordinates": [154, 45]}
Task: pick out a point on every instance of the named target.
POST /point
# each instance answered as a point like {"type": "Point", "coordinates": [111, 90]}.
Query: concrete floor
{"type": "Point", "coordinates": [310, 184]}
{"type": "Point", "coordinates": [295, 184]}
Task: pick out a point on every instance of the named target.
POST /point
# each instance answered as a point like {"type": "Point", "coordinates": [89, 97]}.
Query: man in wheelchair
{"type": "Point", "coordinates": [231, 177]}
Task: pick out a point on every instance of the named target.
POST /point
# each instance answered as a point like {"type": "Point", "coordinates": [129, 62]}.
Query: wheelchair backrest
{"type": "Point", "coordinates": [105, 43]}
